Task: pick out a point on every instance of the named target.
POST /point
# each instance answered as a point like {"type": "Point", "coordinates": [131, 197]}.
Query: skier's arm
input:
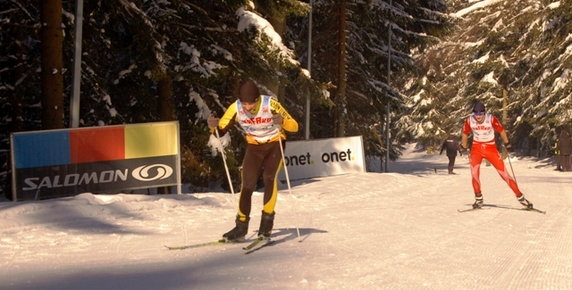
{"type": "Point", "coordinates": [465, 134]}
{"type": "Point", "coordinates": [499, 128]}
{"type": "Point", "coordinates": [289, 124]}
{"type": "Point", "coordinates": [504, 137]}
{"type": "Point", "coordinates": [464, 140]}
{"type": "Point", "coordinates": [227, 120]}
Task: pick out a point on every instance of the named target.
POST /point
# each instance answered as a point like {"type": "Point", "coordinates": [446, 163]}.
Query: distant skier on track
{"type": "Point", "coordinates": [451, 145]}
{"type": "Point", "coordinates": [263, 119]}
{"type": "Point", "coordinates": [483, 126]}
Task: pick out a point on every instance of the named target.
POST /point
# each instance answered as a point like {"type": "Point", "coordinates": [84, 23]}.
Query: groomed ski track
{"type": "Point", "coordinates": [398, 230]}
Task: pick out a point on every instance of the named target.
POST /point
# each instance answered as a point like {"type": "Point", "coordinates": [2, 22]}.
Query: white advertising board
{"type": "Point", "coordinates": [324, 157]}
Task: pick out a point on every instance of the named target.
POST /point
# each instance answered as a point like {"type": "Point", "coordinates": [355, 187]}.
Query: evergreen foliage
{"type": "Point", "coordinates": [153, 60]}
{"type": "Point", "coordinates": [414, 24]}
{"type": "Point", "coordinates": [518, 49]}
{"type": "Point", "coordinates": [129, 47]}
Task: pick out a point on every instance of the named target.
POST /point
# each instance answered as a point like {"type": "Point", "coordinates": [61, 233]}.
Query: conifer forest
{"type": "Point", "coordinates": [410, 68]}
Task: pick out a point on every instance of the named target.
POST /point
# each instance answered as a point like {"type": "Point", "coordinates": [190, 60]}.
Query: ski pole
{"type": "Point", "coordinates": [510, 163]}
{"type": "Point", "coordinates": [225, 166]}
{"type": "Point", "coordinates": [287, 177]}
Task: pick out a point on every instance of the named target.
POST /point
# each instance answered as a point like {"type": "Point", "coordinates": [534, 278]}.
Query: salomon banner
{"type": "Point", "coordinates": [323, 157]}
{"type": "Point", "coordinates": [111, 159]}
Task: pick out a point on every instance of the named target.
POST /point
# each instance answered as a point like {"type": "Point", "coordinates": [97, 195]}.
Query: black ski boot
{"type": "Point", "coordinates": [239, 231]}
{"type": "Point", "coordinates": [478, 202]}
{"type": "Point", "coordinates": [266, 224]}
{"type": "Point", "coordinates": [524, 202]}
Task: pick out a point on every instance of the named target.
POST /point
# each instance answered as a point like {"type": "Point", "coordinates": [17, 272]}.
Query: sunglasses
{"type": "Point", "coordinates": [479, 113]}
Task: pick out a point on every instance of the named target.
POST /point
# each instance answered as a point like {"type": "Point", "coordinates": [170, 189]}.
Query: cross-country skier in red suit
{"type": "Point", "coordinates": [483, 126]}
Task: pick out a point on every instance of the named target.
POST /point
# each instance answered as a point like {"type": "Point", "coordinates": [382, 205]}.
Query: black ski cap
{"type": "Point", "coordinates": [248, 92]}
{"type": "Point", "coordinates": [478, 107]}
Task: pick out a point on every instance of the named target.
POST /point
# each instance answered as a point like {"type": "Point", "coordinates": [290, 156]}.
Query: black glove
{"type": "Point", "coordinates": [462, 150]}
{"type": "Point", "coordinates": [277, 119]}
{"type": "Point", "coordinates": [508, 147]}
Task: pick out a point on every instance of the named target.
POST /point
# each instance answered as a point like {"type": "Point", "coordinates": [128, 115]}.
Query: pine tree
{"type": "Point", "coordinates": [367, 89]}
{"type": "Point", "coordinates": [510, 60]}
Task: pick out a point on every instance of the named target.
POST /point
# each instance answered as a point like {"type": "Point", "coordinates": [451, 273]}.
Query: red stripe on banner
{"type": "Point", "coordinates": [98, 144]}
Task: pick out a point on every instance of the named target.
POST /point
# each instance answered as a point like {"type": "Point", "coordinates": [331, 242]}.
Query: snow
{"type": "Point", "coordinates": [490, 78]}
{"type": "Point", "coordinates": [398, 230]}
{"type": "Point", "coordinates": [248, 19]}
{"type": "Point", "coordinates": [216, 50]}
{"type": "Point", "coordinates": [476, 6]}
{"type": "Point", "coordinates": [554, 5]}
{"type": "Point", "coordinates": [417, 97]}
{"type": "Point", "coordinates": [203, 109]}
{"type": "Point", "coordinates": [216, 143]}
{"type": "Point", "coordinates": [482, 59]}
{"type": "Point", "coordinates": [125, 72]}
{"type": "Point", "coordinates": [562, 81]}
{"type": "Point", "coordinates": [205, 67]}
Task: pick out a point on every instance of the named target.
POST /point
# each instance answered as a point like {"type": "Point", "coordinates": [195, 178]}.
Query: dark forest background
{"type": "Point", "coordinates": [154, 60]}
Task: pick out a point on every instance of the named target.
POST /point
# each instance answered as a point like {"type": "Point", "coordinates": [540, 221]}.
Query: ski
{"type": "Point", "coordinates": [534, 209]}
{"type": "Point", "coordinates": [470, 209]}
{"type": "Point", "coordinates": [212, 243]}
{"type": "Point", "coordinates": [487, 206]}
{"type": "Point", "coordinates": [257, 244]}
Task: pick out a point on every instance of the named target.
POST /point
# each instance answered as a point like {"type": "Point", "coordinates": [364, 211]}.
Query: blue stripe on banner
{"type": "Point", "coordinates": [41, 149]}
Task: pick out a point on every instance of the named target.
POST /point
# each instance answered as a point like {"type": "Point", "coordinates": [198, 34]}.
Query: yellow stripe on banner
{"type": "Point", "coordinates": [151, 139]}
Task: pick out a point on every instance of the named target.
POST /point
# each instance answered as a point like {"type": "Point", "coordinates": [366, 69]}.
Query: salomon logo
{"type": "Point", "coordinates": [161, 171]}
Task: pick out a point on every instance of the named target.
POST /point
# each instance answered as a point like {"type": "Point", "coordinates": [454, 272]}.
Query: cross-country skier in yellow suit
{"type": "Point", "coordinates": [263, 120]}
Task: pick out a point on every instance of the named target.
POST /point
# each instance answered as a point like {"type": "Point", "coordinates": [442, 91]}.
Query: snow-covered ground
{"type": "Point", "coordinates": [398, 230]}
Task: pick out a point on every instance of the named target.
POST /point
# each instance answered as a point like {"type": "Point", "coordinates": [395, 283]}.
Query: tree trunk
{"type": "Point", "coordinates": [166, 110]}
{"type": "Point", "coordinates": [342, 53]}
{"type": "Point", "coordinates": [51, 35]}
{"type": "Point", "coordinates": [504, 105]}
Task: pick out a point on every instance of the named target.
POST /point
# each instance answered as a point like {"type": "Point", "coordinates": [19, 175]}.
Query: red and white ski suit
{"type": "Point", "coordinates": [484, 146]}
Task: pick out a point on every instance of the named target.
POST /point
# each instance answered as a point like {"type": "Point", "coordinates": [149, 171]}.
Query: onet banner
{"type": "Point", "coordinates": [110, 159]}
{"type": "Point", "coordinates": [324, 157]}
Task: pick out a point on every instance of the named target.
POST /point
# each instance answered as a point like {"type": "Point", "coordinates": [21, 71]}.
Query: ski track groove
{"type": "Point", "coordinates": [508, 271]}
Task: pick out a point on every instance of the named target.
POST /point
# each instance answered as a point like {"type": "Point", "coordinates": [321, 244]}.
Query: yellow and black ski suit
{"type": "Point", "coordinates": [262, 150]}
